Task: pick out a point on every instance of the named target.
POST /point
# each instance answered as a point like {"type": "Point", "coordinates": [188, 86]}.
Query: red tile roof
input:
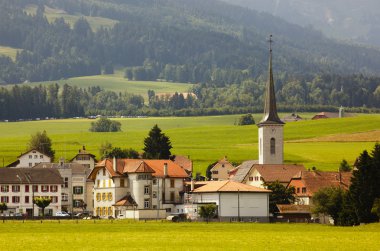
{"type": "Point", "coordinates": [183, 162]}
{"type": "Point", "coordinates": [229, 186]}
{"type": "Point", "coordinates": [126, 201]}
{"type": "Point", "coordinates": [315, 180]}
{"type": "Point", "coordinates": [282, 173]}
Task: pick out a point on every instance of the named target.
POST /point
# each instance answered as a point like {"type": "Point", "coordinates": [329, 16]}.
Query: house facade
{"type": "Point", "coordinates": [235, 201]}
{"type": "Point", "coordinates": [19, 186]}
{"type": "Point", "coordinates": [221, 170]}
{"type": "Point", "coordinates": [84, 158]}
{"type": "Point", "coordinates": [30, 159]}
{"type": "Point", "coordinates": [135, 188]}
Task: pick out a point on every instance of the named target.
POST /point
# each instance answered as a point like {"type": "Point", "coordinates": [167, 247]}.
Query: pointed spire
{"type": "Point", "coordinates": [270, 109]}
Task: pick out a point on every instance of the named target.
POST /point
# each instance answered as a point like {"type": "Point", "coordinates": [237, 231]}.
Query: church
{"type": "Point", "coordinates": [270, 166]}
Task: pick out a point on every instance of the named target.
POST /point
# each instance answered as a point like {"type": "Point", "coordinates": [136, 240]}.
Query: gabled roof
{"type": "Point", "coordinates": [183, 162]}
{"type": "Point", "coordinates": [243, 170]}
{"type": "Point", "coordinates": [222, 163]}
{"type": "Point", "coordinates": [83, 152]}
{"type": "Point", "coordinates": [30, 176]}
{"type": "Point", "coordinates": [32, 151]}
{"type": "Point", "coordinates": [75, 167]}
{"type": "Point", "coordinates": [126, 201]}
{"type": "Point", "coordinates": [128, 166]}
{"type": "Point", "coordinates": [315, 180]}
{"type": "Point", "coordinates": [282, 173]}
{"type": "Point", "coordinates": [229, 186]}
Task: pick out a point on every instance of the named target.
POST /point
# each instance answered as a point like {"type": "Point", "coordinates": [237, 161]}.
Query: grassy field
{"type": "Point", "coordinates": [9, 52]}
{"type": "Point", "coordinates": [204, 139]}
{"type": "Point", "coordinates": [117, 83]}
{"type": "Point", "coordinates": [52, 14]}
{"type": "Point", "coordinates": [127, 235]}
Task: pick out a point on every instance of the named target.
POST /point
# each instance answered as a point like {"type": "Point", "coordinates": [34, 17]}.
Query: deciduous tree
{"type": "Point", "coordinates": [41, 142]}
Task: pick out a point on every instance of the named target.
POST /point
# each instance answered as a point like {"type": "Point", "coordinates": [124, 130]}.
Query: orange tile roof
{"type": "Point", "coordinates": [126, 201]}
{"type": "Point", "coordinates": [184, 162]}
{"type": "Point", "coordinates": [315, 180]}
{"type": "Point", "coordinates": [229, 186]}
{"type": "Point", "coordinates": [156, 167]}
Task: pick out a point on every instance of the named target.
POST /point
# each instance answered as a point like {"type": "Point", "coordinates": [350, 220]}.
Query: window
{"type": "Point", "coordinates": [15, 188]}
{"type": "Point", "coordinates": [26, 188]}
{"type": "Point", "coordinates": [272, 146]}
{"type": "Point", "coordinates": [65, 197]}
{"type": "Point", "coordinates": [154, 194]}
{"type": "Point", "coordinates": [98, 196]}
{"type": "Point", "coordinates": [4, 188]}
{"type": "Point", "coordinates": [98, 211]}
{"type": "Point", "coordinates": [168, 210]}
{"type": "Point", "coordinates": [98, 183]}
{"type": "Point", "coordinates": [146, 203]}
{"type": "Point", "coordinates": [154, 181]}
{"type": "Point", "coordinates": [5, 199]}
{"type": "Point", "coordinates": [35, 156]}
{"type": "Point", "coordinates": [77, 203]}
{"type": "Point", "coordinates": [143, 177]}
{"type": "Point", "coordinates": [30, 157]}
{"type": "Point", "coordinates": [172, 183]}
{"type": "Point", "coordinates": [35, 188]}
{"type": "Point", "coordinates": [304, 190]}
{"type": "Point", "coordinates": [110, 211]}
{"type": "Point", "coordinates": [66, 182]}
{"type": "Point", "coordinates": [105, 211]}
{"type": "Point", "coordinates": [104, 196]}
{"type": "Point", "coordinates": [298, 190]}
{"type": "Point", "coordinates": [109, 183]}
{"type": "Point", "coordinates": [15, 199]}
{"type": "Point", "coordinates": [109, 196]}
{"type": "Point", "coordinates": [250, 178]}
{"type": "Point", "coordinates": [121, 182]}
{"type": "Point", "coordinates": [53, 189]}
{"type": "Point", "coordinates": [41, 156]}
{"type": "Point", "coordinates": [172, 196]}
{"type": "Point", "coordinates": [30, 165]}
{"type": "Point", "coordinates": [256, 178]}
{"type": "Point", "coordinates": [44, 189]}
{"type": "Point", "coordinates": [54, 199]}
{"type": "Point", "coordinates": [78, 190]}
{"type": "Point", "coordinates": [26, 199]}
{"type": "Point", "coordinates": [104, 172]}
{"type": "Point", "coordinates": [215, 172]}
{"type": "Point", "coordinates": [146, 190]}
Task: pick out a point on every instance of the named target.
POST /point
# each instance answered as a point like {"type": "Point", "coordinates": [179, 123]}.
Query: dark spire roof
{"type": "Point", "coordinates": [270, 110]}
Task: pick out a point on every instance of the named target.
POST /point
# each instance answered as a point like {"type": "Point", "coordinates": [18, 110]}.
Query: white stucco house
{"type": "Point", "coordinates": [30, 159]}
{"type": "Point", "coordinates": [235, 201]}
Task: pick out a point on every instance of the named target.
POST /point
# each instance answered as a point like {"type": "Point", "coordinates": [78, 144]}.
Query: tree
{"type": "Point", "coordinates": [376, 208]}
{"type": "Point", "coordinates": [329, 201]}
{"type": "Point", "coordinates": [105, 125]}
{"type": "Point", "coordinates": [119, 153]}
{"type": "Point", "coordinates": [207, 211]}
{"type": "Point", "coordinates": [246, 120]}
{"type": "Point", "coordinates": [42, 202]}
{"type": "Point", "coordinates": [364, 188]}
{"type": "Point", "coordinates": [42, 143]}
{"type": "Point", "coordinates": [157, 145]}
{"type": "Point", "coordinates": [280, 195]}
{"type": "Point", "coordinates": [344, 166]}
{"type": "Point", "coordinates": [3, 207]}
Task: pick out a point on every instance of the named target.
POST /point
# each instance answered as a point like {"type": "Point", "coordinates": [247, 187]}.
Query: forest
{"type": "Point", "coordinates": [220, 48]}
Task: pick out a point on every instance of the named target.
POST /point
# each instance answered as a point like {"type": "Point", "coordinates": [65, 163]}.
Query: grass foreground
{"type": "Point", "coordinates": [129, 235]}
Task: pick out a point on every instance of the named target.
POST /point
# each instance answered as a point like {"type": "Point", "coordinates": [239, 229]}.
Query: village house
{"type": "Point", "coordinates": [76, 195]}
{"type": "Point", "coordinates": [137, 188]}
{"type": "Point", "coordinates": [220, 171]}
{"type": "Point", "coordinates": [19, 186]}
{"type": "Point", "coordinates": [30, 159]}
{"type": "Point", "coordinates": [235, 201]}
{"type": "Point", "coordinates": [84, 158]}
{"type": "Point", "coordinates": [257, 175]}
{"type": "Point", "coordinates": [306, 183]}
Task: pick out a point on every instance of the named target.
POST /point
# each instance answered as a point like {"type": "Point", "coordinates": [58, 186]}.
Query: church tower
{"type": "Point", "coordinates": [271, 133]}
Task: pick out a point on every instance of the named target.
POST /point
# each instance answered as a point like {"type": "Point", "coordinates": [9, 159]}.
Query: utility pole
{"type": "Point", "coordinates": [238, 205]}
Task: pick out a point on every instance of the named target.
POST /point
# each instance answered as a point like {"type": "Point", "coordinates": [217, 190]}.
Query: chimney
{"type": "Point", "coordinates": [192, 185]}
{"type": "Point", "coordinates": [114, 163]}
{"type": "Point", "coordinates": [165, 169]}
{"type": "Point", "coordinates": [61, 161]}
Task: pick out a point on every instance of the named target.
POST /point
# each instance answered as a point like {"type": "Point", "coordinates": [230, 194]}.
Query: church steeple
{"type": "Point", "coordinates": [270, 109]}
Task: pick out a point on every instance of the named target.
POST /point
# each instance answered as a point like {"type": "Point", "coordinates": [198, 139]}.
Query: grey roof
{"type": "Point", "coordinates": [30, 176]}
{"type": "Point", "coordinates": [243, 170]}
{"type": "Point", "coordinates": [270, 109]}
{"type": "Point", "coordinates": [75, 167]}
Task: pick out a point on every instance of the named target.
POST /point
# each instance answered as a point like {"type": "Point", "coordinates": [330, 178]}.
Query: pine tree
{"type": "Point", "coordinates": [157, 145]}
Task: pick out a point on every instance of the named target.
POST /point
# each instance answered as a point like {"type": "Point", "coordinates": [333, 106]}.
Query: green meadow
{"type": "Point", "coordinates": [129, 235]}
{"type": "Point", "coordinates": [117, 83]}
{"type": "Point", "coordinates": [203, 139]}
{"type": "Point", "coordinates": [9, 52]}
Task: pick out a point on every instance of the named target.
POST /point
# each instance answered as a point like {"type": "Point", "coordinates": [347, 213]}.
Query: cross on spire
{"type": "Point", "coordinates": [270, 42]}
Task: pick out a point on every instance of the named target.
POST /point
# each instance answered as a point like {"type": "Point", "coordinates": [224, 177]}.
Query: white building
{"type": "Point", "coordinates": [135, 188]}
{"type": "Point", "coordinates": [18, 187]}
{"type": "Point", "coordinates": [30, 159]}
{"type": "Point", "coordinates": [235, 201]}
{"type": "Point", "coordinates": [84, 158]}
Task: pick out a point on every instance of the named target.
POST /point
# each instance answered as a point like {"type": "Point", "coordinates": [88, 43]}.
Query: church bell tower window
{"type": "Point", "coordinates": [272, 146]}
